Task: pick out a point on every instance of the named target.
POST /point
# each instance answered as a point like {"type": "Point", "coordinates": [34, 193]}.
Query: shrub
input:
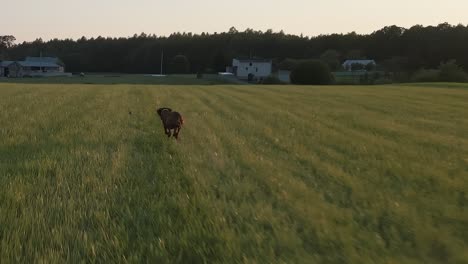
{"type": "Point", "coordinates": [311, 72]}
{"type": "Point", "coordinates": [447, 72]}
{"type": "Point", "coordinates": [271, 80]}
{"type": "Point", "coordinates": [332, 59]}
{"type": "Point", "coordinates": [289, 64]}
{"type": "Point", "coordinates": [451, 72]}
{"type": "Point", "coordinates": [424, 75]}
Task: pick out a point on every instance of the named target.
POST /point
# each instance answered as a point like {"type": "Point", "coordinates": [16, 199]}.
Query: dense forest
{"type": "Point", "coordinates": [395, 49]}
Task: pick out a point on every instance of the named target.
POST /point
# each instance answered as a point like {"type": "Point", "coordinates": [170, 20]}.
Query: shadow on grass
{"type": "Point", "coordinates": [140, 79]}
{"type": "Point", "coordinates": [444, 85]}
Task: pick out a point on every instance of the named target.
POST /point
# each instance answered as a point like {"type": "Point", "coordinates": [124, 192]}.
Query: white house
{"type": "Point", "coordinates": [347, 65]}
{"type": "Point", "coordinates": [251, 69]}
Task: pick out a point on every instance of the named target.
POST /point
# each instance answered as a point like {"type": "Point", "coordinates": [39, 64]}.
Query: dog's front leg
{"type": "Point", "coordinates": [176, 132]}
{"type": "Point", "coordinates": [167, 131]}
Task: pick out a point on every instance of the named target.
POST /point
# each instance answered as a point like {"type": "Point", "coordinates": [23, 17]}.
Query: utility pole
{"type": "Point", "coordinates": [162, 57]}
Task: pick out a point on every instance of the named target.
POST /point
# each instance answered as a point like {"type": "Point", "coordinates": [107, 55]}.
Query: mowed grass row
{"type": "Point", "coordinates": [261, 174]}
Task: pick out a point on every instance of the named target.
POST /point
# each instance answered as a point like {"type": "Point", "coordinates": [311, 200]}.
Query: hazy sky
{"type": "Point", "coordinates": [31, 19]}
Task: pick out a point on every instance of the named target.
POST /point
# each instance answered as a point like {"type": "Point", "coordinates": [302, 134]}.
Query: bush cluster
{"type": "Point", "coordinates": [311, 72]}
{"type": "Point", "coordinates": [447, 72]}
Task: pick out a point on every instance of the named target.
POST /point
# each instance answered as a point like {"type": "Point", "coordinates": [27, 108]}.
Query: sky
{"type": "Point", "coordinates": [28, 20]}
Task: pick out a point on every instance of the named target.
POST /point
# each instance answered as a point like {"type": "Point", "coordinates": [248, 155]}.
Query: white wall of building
{"type": "Point", "coordinates": [260, 69]}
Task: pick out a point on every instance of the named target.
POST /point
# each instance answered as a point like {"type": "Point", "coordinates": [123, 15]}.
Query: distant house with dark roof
{"type": "Point", "coordinates": [37, 67]}
{"type": "Point", "coordinates": [252, 69]}
{"type": "Point", "coordinates": [348, 64]}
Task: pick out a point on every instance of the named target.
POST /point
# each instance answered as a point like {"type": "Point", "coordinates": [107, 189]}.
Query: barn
{"type": "Point", "coordinates": [251, 69]}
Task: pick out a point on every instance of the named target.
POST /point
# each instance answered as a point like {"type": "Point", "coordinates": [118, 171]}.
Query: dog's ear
{"type": "Point", "coordinates": [160, 110]}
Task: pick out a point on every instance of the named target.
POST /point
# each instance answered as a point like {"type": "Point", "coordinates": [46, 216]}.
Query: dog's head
{"type": "Point", "coordinates": [163, 110]}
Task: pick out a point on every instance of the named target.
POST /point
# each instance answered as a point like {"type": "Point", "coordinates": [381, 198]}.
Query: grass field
{"type": "Point", "coordinates": [113, 78]}
{"type": "Point", "coordinates": [262, 174]}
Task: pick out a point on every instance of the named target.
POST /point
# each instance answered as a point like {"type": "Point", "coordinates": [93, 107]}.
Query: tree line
{"type": "Point", "coordinates": [395, 49]}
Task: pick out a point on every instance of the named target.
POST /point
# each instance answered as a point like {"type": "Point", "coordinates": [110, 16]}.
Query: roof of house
{"type": "Point", "coordinates": [358, 62]}
{"type": "Point", "coordinates": [45, 60]}
{"type": "Point", "coordinates": [49, 62]}
{"type": "Point", "coordinates": [42, 59]}
{"type": "Point", "coordinates": [5, 63]}
{"type": "Point", "coordinates": [254, 60]}
{"type": "Point", "coordinates": [37, 64]}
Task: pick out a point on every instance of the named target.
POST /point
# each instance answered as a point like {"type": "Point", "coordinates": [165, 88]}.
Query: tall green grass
{"type": "Point", "coordinates": [281, 174]}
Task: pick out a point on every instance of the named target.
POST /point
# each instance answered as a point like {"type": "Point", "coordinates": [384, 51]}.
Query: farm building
{"type": "Point", "coordinates": [348, 64]}
{"type": "Point", "coordinates": [37, 67]}
{"type": "Point", "coordinates": [4, 68]}
{"type": "Point", "coordinates": [251, 69]}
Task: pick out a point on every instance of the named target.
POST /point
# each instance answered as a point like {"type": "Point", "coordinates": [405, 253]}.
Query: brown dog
{"type": "Point", "coordinates": [170, 120]}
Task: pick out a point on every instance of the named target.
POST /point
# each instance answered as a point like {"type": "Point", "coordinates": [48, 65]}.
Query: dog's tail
{"type": "Point", "coordinates": [181, 120]}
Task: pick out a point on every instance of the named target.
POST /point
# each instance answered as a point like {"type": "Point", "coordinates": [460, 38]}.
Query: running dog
{"type": "Point", "coordinates": [171, 121]}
